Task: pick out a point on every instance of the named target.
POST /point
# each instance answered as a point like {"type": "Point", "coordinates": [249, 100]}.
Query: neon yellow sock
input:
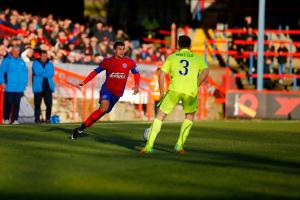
{"type": "Point", "coordinates": [154, 130]}
{"type": "Point", "coordinates": [184, 132]}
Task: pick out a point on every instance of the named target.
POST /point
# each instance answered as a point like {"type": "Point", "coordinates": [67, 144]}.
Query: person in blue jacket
{"type": "Point", "coordinates": [14, 75]}
{"type": "Point", "coordinates": [43, 85]}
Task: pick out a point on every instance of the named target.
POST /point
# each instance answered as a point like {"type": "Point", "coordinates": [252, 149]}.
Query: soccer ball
{"type": "Point", "coordinates": [146, 134]}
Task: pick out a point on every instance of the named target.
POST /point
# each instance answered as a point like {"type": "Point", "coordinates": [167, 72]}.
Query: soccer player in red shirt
{"type": "Point", "coordinates": [117, 70]}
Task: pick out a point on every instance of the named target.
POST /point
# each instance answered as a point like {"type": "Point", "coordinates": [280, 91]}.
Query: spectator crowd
{"type": "Point", "coordinates": [67, 41]}
{"type": "Point", "coordinates": [46, 41]}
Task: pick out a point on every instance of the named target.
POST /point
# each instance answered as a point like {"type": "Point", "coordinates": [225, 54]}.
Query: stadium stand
{"type": "Point", "coordinates": [75, 43]}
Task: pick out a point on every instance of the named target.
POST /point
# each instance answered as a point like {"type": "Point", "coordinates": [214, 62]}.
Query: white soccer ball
{"type": "Point", "coordinates": [146, 134]}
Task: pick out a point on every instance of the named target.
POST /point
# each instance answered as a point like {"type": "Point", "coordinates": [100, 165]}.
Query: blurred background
{"type": "Point", "coordinates": [78, 35]}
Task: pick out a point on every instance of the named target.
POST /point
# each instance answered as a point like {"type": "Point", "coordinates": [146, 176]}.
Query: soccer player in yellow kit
{"type": "Point", "coordinates": [188, 71]}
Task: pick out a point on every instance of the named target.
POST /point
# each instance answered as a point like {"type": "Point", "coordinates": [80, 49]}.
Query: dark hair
{"type": "Point", "coordinates": [43, 51]}
{"type": "Point", "coordinates": [184, 41]}
{"type": "Point", "coordinates": [118, 43]}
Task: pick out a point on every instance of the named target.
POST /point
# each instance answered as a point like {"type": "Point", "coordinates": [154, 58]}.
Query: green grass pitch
{"type": "Point", "coordinates": [223, 160]}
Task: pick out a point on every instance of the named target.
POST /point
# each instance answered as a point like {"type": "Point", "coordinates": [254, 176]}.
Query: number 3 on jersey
{"type": "Point", "coordinates": [185, 66]}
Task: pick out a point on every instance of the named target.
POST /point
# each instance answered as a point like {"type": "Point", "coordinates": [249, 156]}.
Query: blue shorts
{"type": "Point", "coordinates": [105, 94]}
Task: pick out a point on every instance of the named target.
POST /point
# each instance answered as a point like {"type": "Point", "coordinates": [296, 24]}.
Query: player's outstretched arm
{"type": "Point", "coordinates": [88, 78]}
{"type": "Point", "coordinates": [203, 76]}
{"type": "Point", "coordinates": [161, 83]}
{"type": "Point", "coordinates": [137, 78]}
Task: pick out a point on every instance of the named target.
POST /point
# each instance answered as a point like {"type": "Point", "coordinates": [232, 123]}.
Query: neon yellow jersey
{"type": "Point", "coordinates": [184, 67]}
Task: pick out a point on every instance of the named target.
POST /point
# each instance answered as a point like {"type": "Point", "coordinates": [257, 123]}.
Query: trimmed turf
{"type": "Point", "coordinates": [223, 160]}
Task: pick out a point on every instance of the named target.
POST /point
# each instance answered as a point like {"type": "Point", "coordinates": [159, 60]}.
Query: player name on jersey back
{"type": "Point", "coordinates": [185, 54]}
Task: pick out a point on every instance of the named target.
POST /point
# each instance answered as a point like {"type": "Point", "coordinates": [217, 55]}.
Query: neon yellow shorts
{"type": "Point", "coordinates": [171, 99]}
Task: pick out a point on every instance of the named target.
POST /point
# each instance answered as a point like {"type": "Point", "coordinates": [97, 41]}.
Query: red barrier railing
{"type": "Point", "coordinates": [246, 54]}
{"type": "Point", "coordinates": [224, 88]}
{"type": "Point", "coordinates": [172, 33]}
{"type": "Point", "coordinates": [239, 75]}
{"type": "Point", "coordinates": [275, 31]}
{"type": "Point", "coordinates": [164, 32]}
{"type": "Point", "coordinates": [266, 91]}
{"type": "Point", "coordinates": [66, 79]}
{"type": "Point", "coordinates": [8, 32]}
{"type": "Point", "coordinates": [245, 42]}
{"type": "Point", "coordinates": [203, 93]}
{"type": "Point", "coordinates": [228, 41]}
{"type": "Point", "coordinates": [59, 83]}
{"type": "Point", "coordinates": [157, 41]}
{"type": "Point", "coordinates": [202, 102]}
{"type": "Point", "coordinates": [144, 87]}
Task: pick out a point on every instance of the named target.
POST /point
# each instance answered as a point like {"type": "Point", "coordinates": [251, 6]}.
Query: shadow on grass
{"type": "Point", "coordinates": [197, 156]}
{"type": "Point", "coordinates": [104, 137]}
{"type": "Point", "coordinates": [60, 128]}
{"type": "Point", "coordinates": [242, 160]}
{"type": "Point", "coordinates": [120, 140]}
{"type": "Point", "coordinates": [225, 196]}
{"type": "Point", "coordinates": [164, 148]}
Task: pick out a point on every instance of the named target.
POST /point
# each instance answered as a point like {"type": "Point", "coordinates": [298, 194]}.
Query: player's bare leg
{"type": "Point", "coordinates": [95, 116]}
{"type": "Point", "coordinates": [184, 132]}
{"type": "Point", "coordinates": [154, 131]}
